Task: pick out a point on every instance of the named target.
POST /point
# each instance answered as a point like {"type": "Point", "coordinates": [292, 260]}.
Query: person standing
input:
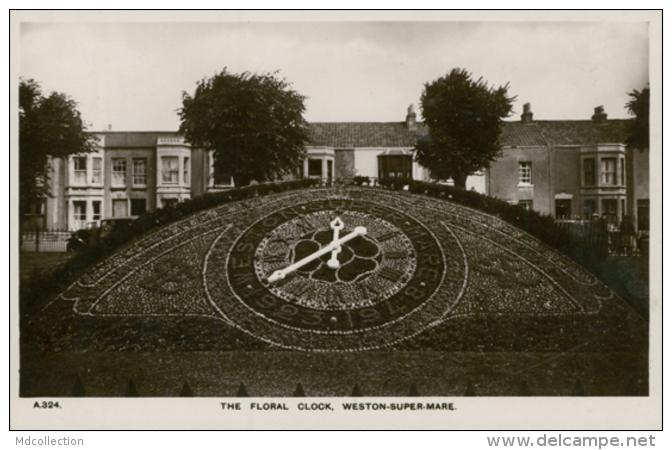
{"type": "Point", "coordinates": [628, 234]}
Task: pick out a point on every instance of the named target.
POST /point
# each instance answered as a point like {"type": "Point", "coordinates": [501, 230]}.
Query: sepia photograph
{"type": "Point", "coordinates": [336, 220]}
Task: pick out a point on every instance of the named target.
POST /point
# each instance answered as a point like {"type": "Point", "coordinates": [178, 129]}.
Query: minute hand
{"type": "Point", "coordinates": [280, 274]}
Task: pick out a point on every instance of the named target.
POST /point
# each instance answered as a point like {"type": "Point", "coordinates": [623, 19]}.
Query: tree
{"type": "Point", "coordinates": [639, 131]}
{"type": "Point", "coordinates": [49, 127]}
{"type": "Point", "coordinates": [253, 123]}
{"type": "Point", "coordinates": [464, 120]}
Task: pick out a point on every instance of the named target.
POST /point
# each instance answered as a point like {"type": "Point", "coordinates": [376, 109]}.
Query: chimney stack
{"type": "Point", "coordinates": [410, 119]}
{"type": "Point", "coordinates": [600, 116]}
{"type": "Point", "coordinates": [526, 117]}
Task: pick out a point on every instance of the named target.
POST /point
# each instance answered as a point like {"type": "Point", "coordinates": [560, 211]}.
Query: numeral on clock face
{"type": "Point", "coordinates": [281, 283]}
{"type": "Point", "coordinates": [386, 236]}
{"type": "Point", "coordinates": [397, 255]}
{"type": "Point", "coordinates": [275, 258]}
{"type": "Point", "coordinates": [306, 225]}
{"type": "Point", "coordinates": [390, 274]}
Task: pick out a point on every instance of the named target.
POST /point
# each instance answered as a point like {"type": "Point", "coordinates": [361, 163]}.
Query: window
{"type": "Point", "coordinates": [40, 208]}
{"type": "Point", "coordinates": [589, 172]}
{"type": "Point", "coordinates": [643, 214]}
{"type": "Point", "coordinates": [609, 206]}
{"type": "Point", "coordinates": [608, 171]}
{"type": "Point", "coordinates": [622, 172]}
{"type": "Point", "coordinates": [79, 214]}
{"type": "Point", "coordinates": [185, 175]}
{"type": "Point", "coordinates": [138, 206]}
{"type": "Point", "coordinates": [120, 208]}
{"type": "Point", "coordinates": [96, 210]}
{"type": "Point", "coordinates": [526, 204]}
{"type": "Point", "coordinates": [589, 208]}
{"type": "Point", "coordinates": [395, 166]}
{"type": "Point", "coordinates": [525, 172]}
{"type": "Point", "coordinates": [169, 202]}
{"type": "Point", "coordinates": [314, 167]}
{"type": "Point", "coordinates": [563, 208]}
{"type": "Point", "coordinates": [140, 172]}
{"type": "Point", "coordinates": [97, 174]}
{"type": "Point", "coordinates": [80, 169]}
{"type": "Point", "coordinates": [118, 172]}
{"type": "Point", "coordinates": [169, 169]}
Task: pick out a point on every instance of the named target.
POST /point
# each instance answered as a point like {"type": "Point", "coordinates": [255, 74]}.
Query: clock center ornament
{"type": "Point", "coordinates": [306, 262]}
{"type": "Point", "coordinates": [334, 247]}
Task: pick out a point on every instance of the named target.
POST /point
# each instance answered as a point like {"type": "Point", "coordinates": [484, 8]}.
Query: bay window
{"type": "Point", "coordinates": [169, 169]}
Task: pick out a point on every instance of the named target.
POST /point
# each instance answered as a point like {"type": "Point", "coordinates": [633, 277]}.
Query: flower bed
{"type": "Point", "coordinates": [484, 268]}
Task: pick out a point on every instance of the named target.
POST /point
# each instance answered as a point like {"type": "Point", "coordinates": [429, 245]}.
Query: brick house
{"type": "Point", "coordinates": [571, 167]}
{"type": "Point", "coordinates": [563, 168]}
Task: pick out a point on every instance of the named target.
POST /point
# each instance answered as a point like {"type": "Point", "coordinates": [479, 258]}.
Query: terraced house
{"type": "Point", "coordinates": [571, 168]}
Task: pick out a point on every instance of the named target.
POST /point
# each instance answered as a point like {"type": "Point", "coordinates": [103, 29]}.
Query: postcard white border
{"type": "Point", "coordinates": [490, 413]}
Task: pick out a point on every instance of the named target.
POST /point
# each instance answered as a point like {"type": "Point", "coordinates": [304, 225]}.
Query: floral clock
{"type": "Point", "coordinates": [337, 269]}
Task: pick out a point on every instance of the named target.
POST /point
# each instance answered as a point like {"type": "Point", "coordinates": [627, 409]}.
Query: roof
{"type": "Point", "coordinates": [564, 132]}
{"type": "Point", "coordinates": [397, 135]}
{"type": "Point", "coordinates": [514, 134]}
{"type": "Point", "coordinates": [363, 134]}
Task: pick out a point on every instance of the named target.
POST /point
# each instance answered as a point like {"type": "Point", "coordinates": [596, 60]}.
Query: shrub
{"type": "Point", "coordinates": [359, 180]}
{"type": "Point", "coordinates": [395, 183]}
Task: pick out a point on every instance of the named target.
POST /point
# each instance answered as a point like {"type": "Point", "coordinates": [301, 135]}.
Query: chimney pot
{"type": "Point", "coordinates": [600, 116]}
{"type": "Point", "coordinates": [410, 119]}
{"type": "Point", "coordinates": [527, 116]}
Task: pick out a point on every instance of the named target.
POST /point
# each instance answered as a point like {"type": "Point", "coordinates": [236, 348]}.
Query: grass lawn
{"type": "Point", "coordinates": [379, 373]}
{"type": "Point", "coordinates": [71, 355]}
{"type": "Point", "coordinates": [33, 263]}
{"type": "Point", "coordinates": [628, 276]}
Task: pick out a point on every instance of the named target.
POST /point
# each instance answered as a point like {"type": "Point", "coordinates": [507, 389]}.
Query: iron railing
{"type": "Point", "coordinates": [45, 240]}
{"type": "Point", "coordinates": [606, 233]}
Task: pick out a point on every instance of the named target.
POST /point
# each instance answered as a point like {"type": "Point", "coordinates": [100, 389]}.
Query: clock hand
{"type": "Point", "coordinates": [280, 274]}
{"type": "Point", "coordinates": [337, 225]}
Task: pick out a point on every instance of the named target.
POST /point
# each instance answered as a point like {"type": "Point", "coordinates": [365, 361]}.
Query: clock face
{"type": "Point", "coordinates": [374, 283]}
{"type": "Point", "coordinates": [386, 280]}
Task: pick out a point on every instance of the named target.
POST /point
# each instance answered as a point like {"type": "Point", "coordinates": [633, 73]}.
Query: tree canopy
{"type": "Point", "coordinates": [253, 122]}
{"type": "Point", "coordinates": [639, 131]}
{"type": "Point", "coordinates": [48, 127]}
{"type": "Point", "coordinates": [464, 120]}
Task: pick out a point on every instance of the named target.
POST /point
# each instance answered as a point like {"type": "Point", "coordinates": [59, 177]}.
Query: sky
{"type": "Point", "coordinates": [131, 75]}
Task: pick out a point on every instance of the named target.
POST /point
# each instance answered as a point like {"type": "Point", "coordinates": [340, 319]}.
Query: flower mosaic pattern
{"type": "Point", "coordinates": [461, 262]}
